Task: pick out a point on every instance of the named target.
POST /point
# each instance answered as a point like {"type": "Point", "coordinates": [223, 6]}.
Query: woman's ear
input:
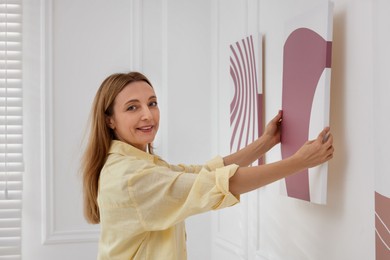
{"type": "Point", "coordinates": [110, 122]}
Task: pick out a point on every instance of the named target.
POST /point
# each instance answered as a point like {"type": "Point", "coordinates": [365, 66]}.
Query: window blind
{"type": "Point", "coordinates": [11, 120]}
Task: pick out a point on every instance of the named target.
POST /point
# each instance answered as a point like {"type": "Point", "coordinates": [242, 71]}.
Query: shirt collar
{"type": "Point", "coordinates": [119, 147]}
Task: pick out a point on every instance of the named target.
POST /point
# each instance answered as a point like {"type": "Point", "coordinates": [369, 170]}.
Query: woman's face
{"type": "Point", "coordinates": [136, 115]}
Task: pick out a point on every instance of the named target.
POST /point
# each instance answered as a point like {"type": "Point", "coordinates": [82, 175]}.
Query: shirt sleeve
{"type": "Point", "coordinates": [164, 197]}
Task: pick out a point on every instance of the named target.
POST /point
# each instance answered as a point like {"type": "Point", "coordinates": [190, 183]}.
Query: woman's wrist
{"type": "Point", "coordinates": [265, 142]}
{"type": "Point", "coordinates": [296, 163]}
{"type": "Point", "coordinates": [261, 146]}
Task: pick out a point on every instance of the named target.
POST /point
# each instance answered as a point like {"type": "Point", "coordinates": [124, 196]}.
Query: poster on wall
{"type": "Point", "coordinates": [246, 105]}
{"type": "Point", "coordinates": [306, 96]}
{"type": "Point", "coordinates": [382, 218]}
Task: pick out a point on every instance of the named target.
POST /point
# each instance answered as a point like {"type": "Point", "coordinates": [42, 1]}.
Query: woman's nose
{"type": "Point", "coordinates": [146, 114]}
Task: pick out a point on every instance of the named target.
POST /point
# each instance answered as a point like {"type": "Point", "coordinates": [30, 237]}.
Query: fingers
{"type": "Point", "coordinates": [324, 135]}
{"type": "Point", "coordinates": [328, 144]}
{"type": "Point", "coordinates": [279, 116]}
{"type": "Point", "coordinates": [329, 139]}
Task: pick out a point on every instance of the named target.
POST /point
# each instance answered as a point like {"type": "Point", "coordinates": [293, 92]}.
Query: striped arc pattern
{"type": "Point", "coordinates": [382, 226]}
{"type": "Point", "coordinates": [246, 103]}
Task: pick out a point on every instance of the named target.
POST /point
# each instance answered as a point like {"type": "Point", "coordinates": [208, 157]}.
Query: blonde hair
{"type": "Point", "coordinates": [100, 138]}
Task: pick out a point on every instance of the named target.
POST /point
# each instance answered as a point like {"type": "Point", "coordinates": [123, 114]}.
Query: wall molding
{"type": "Point", "coordinates": [230, 247]}
{"type": "Point", "coordinates": [50, 234]}
{"type": "Point", "coordinates": [136, 31]}
{"type": "Point", "coordinates": [223, 242]}
{"type": "Point", "coordinates": [251, 247]}
{"type": "Point", "coordinates": [164, 80]}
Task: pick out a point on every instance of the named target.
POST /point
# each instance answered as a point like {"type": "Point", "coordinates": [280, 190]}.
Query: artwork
{"type": "Point", "coordinates": [382, 226]}
{"type": "Point", "coordinates": [246, 118]}
{"type": "Point", "coordinates": [306, 96]}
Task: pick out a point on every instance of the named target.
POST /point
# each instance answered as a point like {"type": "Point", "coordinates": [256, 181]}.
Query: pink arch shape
{"type": "Point", "coordinates": [306, 55]}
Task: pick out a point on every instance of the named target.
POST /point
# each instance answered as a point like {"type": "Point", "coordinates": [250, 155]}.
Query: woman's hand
{"type": "Point", "coordinates": [259, 147]}
{"type": "Point", "coordinates": [317, 151]}
{"type": "Point", "coordinates": [271, 133]}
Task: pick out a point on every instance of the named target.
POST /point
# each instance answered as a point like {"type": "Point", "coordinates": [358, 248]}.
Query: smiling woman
{"type": "Point", "coordinates": [134, 117]}
{"type": "Point", "coordinates": [142, 201]}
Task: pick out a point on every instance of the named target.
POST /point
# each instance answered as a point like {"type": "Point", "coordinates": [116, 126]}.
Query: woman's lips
{"type": "Point", "coordinates": [145, 128]}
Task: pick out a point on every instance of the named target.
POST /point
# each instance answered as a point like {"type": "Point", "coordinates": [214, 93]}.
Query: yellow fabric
{"type": "Point", "coordinates": [143, 202]}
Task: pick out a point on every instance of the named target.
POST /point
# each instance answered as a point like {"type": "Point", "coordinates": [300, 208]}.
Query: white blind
{"type": "Point", "coordinates": [11, 139]}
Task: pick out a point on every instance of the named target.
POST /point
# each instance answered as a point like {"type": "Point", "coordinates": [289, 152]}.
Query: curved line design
{"type": "Point", "coordinates": [382, 226]}
{"type": "Point", "coordinates": [246, 103]}
{"type": "Point", "coordinates": [306, 55]}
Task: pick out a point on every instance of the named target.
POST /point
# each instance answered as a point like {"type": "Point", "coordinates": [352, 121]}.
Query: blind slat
{"type": "Point", "coordinates": [10, 46]}
{"type": "Point", "coordinates": [11, 158]}
{"type": "Point", "coordinates": [13, 129]}
{"type": "Point", "coordinates": [10, 213]}
{"type": "Point", "coordinates": [11, 257]}
{"type": "Point", "coordinates": [11, 176]}
{"type": "Point", "coordinates": [12, 241]}
{"type": "Point", "coordinates": [11, 92]}
{"type": "Point", "coordinates": [9, 250]}
{"type": "Point", "coordinates": [11, 185]}
{"type": "Point", "coordinates": [10, 232]}
{"type": "Point", "coordinates": [9, 110]}
{"type": "Point", "coordinates": [10, 205]}
{"type": "Point", "coordinates": [11, 120]}
{"type": "Point", "coordinates": [12, 18]}
{"type": "Point", "coordinates": [11, 1]}
{"type": "Point", "coordinates": [11, 148]}
{"type": "Point", "coordinates": [10, 8]}
{"type": "Point", "coordinates": [10, 83]}
{"type": "Point", "coordinates": [11, 102]}
{"type": "Point", "coordinates": [10, 223]}
{"type": "Point", "coordinates": [10, 64]}
{"type": "Point", "coordinates": [9, 73]}
{"type": "Point", "coordinates": [11, 166]}
{"type": "Point", "coordinates": [10, 195]}
{"type": "Point", "coordinates": [10, 37]}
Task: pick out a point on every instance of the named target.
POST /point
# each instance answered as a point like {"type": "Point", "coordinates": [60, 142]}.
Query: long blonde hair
{"type": "Point", "coordinates": [100, 138]}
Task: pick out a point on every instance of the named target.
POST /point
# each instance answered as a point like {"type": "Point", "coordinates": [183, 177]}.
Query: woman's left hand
{"type": "Point", "coordinates": [271, 133]}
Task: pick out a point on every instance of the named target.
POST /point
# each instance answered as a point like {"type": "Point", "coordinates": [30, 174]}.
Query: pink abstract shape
{"type": "Point", "coordinates": [306, 55]}
{"type": "Point", "coordinates": [246, 104]}
{"type": "Point", "coordinates": [382, 227]}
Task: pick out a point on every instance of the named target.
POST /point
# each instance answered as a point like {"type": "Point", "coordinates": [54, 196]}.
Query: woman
{"type": "Point", "coordinates": [141, 201]}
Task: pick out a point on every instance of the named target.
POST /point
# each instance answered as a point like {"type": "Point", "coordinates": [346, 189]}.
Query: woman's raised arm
{"type": "Point", "coordinates": [312, 153]}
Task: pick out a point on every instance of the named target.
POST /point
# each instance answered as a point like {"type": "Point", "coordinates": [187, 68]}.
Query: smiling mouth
{"type": "Point", "coordinates": [145, 128]}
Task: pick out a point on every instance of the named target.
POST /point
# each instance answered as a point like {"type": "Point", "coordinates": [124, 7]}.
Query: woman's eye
{"type": "Point", "coordinates": [153, 104]}
{"type": "Point", "coordinates": [131, 108]}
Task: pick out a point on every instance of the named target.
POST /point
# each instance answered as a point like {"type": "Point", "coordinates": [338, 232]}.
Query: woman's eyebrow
{"type": "Point", "coordinates": [132, 101]}
{"type": "Point", "coordinates": [137, 100]}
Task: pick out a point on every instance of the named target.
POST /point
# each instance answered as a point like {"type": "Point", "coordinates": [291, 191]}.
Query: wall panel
{"type": "Point", "coordinates": [235, 233]}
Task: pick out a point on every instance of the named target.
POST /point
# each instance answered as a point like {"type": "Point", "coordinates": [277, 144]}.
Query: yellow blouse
{"type": "Point", "coordinates": [143, 202]}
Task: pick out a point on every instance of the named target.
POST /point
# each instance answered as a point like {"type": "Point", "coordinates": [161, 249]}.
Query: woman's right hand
{"type": "Point", "coordinates": [317, 151]}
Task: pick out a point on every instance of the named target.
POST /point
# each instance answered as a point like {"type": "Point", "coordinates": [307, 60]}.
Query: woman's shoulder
{"type": "Point", "coordinates": [125, 164]}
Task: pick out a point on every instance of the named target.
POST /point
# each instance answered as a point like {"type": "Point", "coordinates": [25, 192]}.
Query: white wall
{"type": "Point", "coordinates": [67, 55]}
{"type": "Point", "coordinates": [381, 85]}
{"type": "Point", "coordinates": [344, 228]}
{"type": "Point", "coordinates": [176, 55]}
{"type": "Point", "coordinates": [70, 46]}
